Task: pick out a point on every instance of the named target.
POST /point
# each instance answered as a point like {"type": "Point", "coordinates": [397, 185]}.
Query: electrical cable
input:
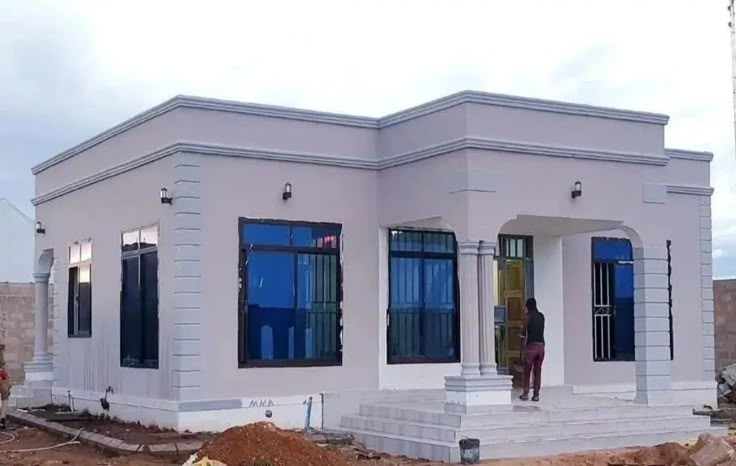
{"type": "Point", "coordinates": [73, 441]}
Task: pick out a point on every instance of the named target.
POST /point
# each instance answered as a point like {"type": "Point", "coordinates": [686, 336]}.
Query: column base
{"type": "Point", "coordinates": [477, 394]}
{"type": "Point", "coordinates": [654, 397]}
{"type": "Point", "coordinates": [39, 371]}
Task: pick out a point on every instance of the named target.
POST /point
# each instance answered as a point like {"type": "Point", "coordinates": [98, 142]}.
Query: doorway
{"type": "Point", "coordinates": [515, 283]}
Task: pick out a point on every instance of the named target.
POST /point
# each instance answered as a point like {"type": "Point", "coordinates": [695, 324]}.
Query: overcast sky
{"type": "Point", "coordinates": [70, 69]}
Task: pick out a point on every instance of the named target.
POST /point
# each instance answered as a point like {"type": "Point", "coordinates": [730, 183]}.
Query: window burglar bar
{"type": "Point", "coordinates": [604, 310]}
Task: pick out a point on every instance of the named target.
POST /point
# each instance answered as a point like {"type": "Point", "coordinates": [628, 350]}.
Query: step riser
{"type": "Point", "coordinates": [490, 434]}
{"type": "Point", "coordinates": [424, 450]}
{"type": "Point", "coordinates": [556, 447]}
{"type": "Point", "coordinates": [520, 418]}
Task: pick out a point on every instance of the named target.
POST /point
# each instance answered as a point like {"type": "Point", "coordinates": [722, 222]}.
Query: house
{"type": "Point", "coordinates": [16, 244]}
{"type": "Point", "coordinates": [221, 262]}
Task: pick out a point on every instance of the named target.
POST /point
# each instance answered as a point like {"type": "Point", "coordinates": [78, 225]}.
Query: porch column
{"type": "Point", "coordinates": [651, 317]}
{"type": "Point", "coordinates": [486, 308]}
{"type": "Point", "coordinates": [40, 368]}
{"type": "Point", "coordinates": [468, 268]}
{"type": "Point", "coordinates": [471, 392]}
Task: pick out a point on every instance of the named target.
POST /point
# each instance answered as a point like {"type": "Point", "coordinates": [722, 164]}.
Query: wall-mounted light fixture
{"type": "Point", "coordinates": [40, 229]}
{"type": "Point", "coordinates": [577, 190]}
{"type": "Point", "coordinates": [165, 199]}
{"type": "Point", "coordinates": [286, 195]}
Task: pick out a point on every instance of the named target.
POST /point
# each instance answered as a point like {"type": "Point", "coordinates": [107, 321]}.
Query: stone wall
{"type": "Point", "coordinates": [724, 292]}
{"type": "Point", "coordinates": [16, 326]}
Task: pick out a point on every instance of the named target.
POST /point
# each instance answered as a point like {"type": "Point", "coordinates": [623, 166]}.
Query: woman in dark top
{"type": "Point", "coordinates": [533, 335]}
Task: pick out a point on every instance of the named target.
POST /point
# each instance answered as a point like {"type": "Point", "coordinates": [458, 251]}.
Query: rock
{"type": "Point", "coordinates": [710, 451]}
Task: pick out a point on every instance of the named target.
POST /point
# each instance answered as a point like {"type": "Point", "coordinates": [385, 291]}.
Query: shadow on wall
{"type": "Point", "coordinates": [17, 304]}
{"type": "Point", "coordinates": [724, 293]}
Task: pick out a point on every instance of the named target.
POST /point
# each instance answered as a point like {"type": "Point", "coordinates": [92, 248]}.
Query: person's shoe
{"type": "Point", "coordinates": [535, 398]}
{"type": "Point", "coordinates": [524, 397]}
{"type": "Point", "coordinates": [2, 424]}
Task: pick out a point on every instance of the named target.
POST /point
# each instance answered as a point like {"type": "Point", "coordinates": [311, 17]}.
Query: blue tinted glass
{"type": "Point", "coordinates": [406, 240]}
{"type": "Point", "coordinates": [406, 281]}
{"type": "Point", "coordinates": [439, 284]}
{"type": "Point", "coordinates": [624, 301]}
{"type": "Point", "coordinates": [317, 317]}
{"type": "Point", "coordinates": [605, 249]}
{"type": "Point", "coordinates": [316, 236]}
{"type": "Point", "coordinates": [270, 304]}
{"type": "Point", "coordinates": [262, 233]}
{"type": "Point", "coordinates": [439, 242]}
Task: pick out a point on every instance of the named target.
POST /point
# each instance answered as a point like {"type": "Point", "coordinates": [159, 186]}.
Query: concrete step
{"type": "Point", "coordinates": [502, 448]}
{"type": "Point", "coordinates": [520, 416]}
{"type": "Point", "coordinates": [493, 431]}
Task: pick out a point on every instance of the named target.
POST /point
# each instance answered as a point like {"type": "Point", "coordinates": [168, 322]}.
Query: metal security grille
{"type": "Point", "coordinates": [604, 310]}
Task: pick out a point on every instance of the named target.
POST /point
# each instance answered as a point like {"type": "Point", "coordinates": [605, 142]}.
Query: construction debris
{"type": "Point", "coordinates": [711, 451]}
{"type": "Point", "coordinates": [727, 384]}
{"type": "Point", "coordinates": [263, 443]}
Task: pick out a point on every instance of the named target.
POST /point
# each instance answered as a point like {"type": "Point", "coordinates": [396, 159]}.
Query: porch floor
{"type": "Point", "coordinates": [561, 422]}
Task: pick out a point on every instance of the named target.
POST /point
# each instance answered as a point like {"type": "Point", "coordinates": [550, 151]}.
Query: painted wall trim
{"type": "Point", "coordinates": [274, 111]}
{"type": "Point", "coordinates": [630, 388]}
{"type": "Point", "coordinates": [683, 154]}
{"type": "Point", "coordinates": [690, 189]}
{"type": "Point", "coordinates": [366, 163]}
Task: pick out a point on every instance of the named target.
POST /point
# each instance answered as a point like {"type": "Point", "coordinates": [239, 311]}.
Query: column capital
{"type": "Point", "coordinates": [487, 248]}
{"type": "Point", "coordinates": [42, 277]}
{"type": "Point", "coordinates": [468, 247]}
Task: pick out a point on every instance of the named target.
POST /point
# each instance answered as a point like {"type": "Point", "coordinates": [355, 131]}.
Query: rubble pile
{"type": "Point", "coordinates": [727, 384]}
{"type": "Point", "coordinates": [264, 444]}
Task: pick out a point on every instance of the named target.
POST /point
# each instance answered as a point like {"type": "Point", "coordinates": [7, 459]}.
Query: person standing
{"type": "Point", "coordinates": [4, 390]}
{"type": "Point", "coordinates": [533, 335]}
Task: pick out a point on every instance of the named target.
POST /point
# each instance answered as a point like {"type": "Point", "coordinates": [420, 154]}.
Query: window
{"type": "Point", "coordinates": [79, 297]}
{"type": "Point", "coordinates": [669, 291]}
{"type": "Point", "coordinates": [139, 299]}
{"type": "Point", "coordinates": [290, 311]}
{"type": "Point", "coordinates": [423, 314]}
{"type": "Point", "coordinates": [613, 300]}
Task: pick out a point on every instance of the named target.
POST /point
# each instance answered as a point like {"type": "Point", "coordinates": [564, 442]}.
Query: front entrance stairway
{"type": "Point", "coordinates": [561, 423]}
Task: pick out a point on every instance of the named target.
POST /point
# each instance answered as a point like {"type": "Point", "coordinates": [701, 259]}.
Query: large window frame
{"type": "Point", "coordinates": [144, 249]}
{"type": "Point", "coordinates": [244, 361]}
{"type": "Point", "coordinates": [79, 290]}
{"type": "Point", "coordinates": [422, 254]}
{"type": "Point", "coordinates": [605, 275]}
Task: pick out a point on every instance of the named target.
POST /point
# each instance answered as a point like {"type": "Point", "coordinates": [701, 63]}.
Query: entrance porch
{"type": "Point", "coordinates": [561, 422]}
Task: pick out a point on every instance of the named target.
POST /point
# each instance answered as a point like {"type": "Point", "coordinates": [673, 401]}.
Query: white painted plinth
{"type": "Point", "coordinates": [477, 394]}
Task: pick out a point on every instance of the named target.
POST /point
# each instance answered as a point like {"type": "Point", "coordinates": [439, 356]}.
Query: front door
{"type": "Point", "coordinates": [514, 287]}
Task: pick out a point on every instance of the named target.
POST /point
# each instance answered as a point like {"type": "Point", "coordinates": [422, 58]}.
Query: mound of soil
{"type": "Point", "coordinates": [263, 444]}
{"type": "Point", "coordinates": [666, 454]}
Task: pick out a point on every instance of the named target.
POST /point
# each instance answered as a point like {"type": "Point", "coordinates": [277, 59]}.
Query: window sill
{"type": "Point", "coordinates": [138, 365]}
{"type": "Point", "coordinates": [287, 363]}
{"type": "Point", "coordinates": [614, 360]}
{"type": "Point", "coordinates": [397, 361]}
{"type": "Point", "coordinates": [80, 335]}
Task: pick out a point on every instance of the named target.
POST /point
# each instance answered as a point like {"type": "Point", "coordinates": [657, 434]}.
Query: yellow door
{"type": "Point", "coordinates": [512, 286]}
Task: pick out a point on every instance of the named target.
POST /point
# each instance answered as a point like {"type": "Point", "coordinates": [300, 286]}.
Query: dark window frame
{"type": "Point", "coordinates": [75, 306]}
{"type": "Point", "coordinates": [422, 255]}
{"type": "Point", "coordinates": [244, 361]}
{"type": "Point", "coordinates": [593, 261]}
{"type": "Point", "coordinates": [138, 254]}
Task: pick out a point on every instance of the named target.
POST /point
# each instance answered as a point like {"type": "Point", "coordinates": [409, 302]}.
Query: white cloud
{"type": "Point", "coordinates": [377, 56]}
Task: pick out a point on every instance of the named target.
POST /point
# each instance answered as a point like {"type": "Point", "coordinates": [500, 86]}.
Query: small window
{"type": "Point", "coordinates": [290, 300]}
{"type": "Point", "coordinates": [139, 299]}
{"type": "Point", "coordinates": [79, 297]}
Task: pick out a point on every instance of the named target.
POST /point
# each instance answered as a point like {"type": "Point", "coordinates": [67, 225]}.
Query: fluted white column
{"type": "Point", "coordinates": [486, 309]}
{"type": "Point", "coordinates": [468, 267]}
{"type": "Point", "coordinates": [39, 370]}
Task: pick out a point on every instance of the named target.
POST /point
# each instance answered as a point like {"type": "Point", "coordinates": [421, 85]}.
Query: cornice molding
{"type": "Point", "coordinates": [183, 101]}
{"type": "Point", "coordinates": [695, 156]}
{"type": "Point", "coordinates": [369, 164]}
{"type": "Point", "coordinates": [690, 189]}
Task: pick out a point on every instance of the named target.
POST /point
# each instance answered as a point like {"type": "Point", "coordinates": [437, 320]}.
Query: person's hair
{"type": "Point", "coordinates": [531, 304]}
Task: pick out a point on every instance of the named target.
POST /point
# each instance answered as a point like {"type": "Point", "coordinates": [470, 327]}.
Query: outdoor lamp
{"type": "Point", "coordinates": [40, 229]}
{"type": "Point", "coordinates": [577, 190]}
{"type": "Point", "coordinates": [286, 195]}
{"type": "Point", "coordinates": [165, 199]}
